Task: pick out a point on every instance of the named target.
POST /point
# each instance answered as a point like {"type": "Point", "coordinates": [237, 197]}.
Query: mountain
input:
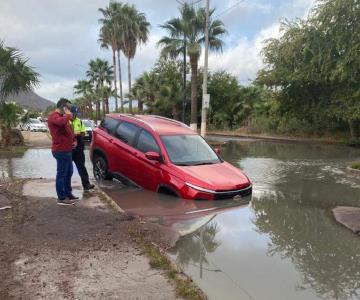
{"type": "Point", "coordinates": [31, 100]}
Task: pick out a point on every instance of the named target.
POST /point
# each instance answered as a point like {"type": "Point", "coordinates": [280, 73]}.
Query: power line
{"type": "Point", "coordinates": [229, 8]}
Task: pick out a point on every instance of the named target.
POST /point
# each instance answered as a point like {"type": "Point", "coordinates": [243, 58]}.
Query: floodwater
{"type": "Point", "coordinates": [34, 163]}
{"type": "Point", "coordinates": [284, 244]}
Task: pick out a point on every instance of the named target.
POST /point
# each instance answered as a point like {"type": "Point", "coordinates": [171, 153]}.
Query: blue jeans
{"type": "Point", "coordinates": [64, 172]}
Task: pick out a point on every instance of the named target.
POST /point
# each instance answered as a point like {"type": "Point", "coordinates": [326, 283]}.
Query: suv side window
{"type": "Point", "coordinates": [126, 132]}
{"type": "Point", "coordinates": [147, 143]}
{"type": "Point", "coordinates": [109, 124]}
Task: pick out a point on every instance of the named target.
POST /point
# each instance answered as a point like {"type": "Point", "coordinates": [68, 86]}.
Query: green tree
{"type": "Point", "coordinates": [15, 76]}
{"type": "Point", "coordinates": [100, 75]}
{"type": "Point", "coordinates": [9, 117]}
{"type": "Point", "coordinates": [111, 36]}
{"type": "Point", "coordinates": [85, 89]}
{"type": "Point", "coordinates": [134, 31]}
{"type": "Point", "coordinates": [191, 26]}
{"type": "Point", "coordinates": [313, 66]}
{"type": "Point", "coordinates": [161, 89]}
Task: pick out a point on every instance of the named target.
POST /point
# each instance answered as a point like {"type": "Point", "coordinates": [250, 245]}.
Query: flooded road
{"type": "Point", "coordinates": [285, 244]}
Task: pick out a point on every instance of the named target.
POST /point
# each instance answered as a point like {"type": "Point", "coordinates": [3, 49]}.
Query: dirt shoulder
{"type": "Point", "coordinates": [237, 134]}
{"type": "Point", "coordinates": [37, 139]}
{"type": "Point", "coordinates": [80, 252]}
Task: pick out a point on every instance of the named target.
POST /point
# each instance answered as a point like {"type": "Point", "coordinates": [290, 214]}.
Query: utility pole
{"type": "Point", "coordinates": [205, 96]}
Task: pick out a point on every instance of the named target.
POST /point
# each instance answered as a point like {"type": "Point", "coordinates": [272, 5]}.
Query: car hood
{"type": "Point", "coordinates": [219, 177]}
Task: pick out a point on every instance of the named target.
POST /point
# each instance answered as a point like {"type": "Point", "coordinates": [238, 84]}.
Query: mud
{"type": "Point", "coordinates": [80, 252]}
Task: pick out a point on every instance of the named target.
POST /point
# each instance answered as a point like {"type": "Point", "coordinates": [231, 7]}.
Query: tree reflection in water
{"type": "Point", "coordinates": [326, 255]}
{"type": "Point", "coordinates": [193, 248]}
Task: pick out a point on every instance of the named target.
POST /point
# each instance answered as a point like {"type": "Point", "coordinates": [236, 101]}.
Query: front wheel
{"type": "Point", "coordinates": [101, 169]}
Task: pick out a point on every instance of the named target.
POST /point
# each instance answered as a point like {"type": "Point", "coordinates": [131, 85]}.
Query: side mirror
{"type": "Point", "coordinates": [153, 156]}
{"type": "Point", "coordinates": [217, 151]}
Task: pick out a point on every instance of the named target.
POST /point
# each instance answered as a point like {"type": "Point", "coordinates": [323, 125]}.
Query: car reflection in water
{"type": "Point", "coordinates": [181, 215]}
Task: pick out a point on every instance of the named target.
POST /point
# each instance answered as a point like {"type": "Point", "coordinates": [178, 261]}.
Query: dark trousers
{"type": "Point", "coordinates": [78, 157]}
{"type": "Point", "coordinates": [64, 172]}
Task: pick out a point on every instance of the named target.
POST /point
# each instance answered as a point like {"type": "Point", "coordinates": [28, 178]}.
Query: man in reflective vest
{"type": "Point", "coordinates": [78, 155]}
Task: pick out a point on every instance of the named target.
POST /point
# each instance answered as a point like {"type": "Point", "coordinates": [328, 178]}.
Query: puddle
{"type": "Point", "coordinates": [285, 244]}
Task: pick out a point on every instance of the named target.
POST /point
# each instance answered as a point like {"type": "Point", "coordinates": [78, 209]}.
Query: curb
{"type": "Point", "coordinates": [107, 200]}
{"type": "Point", "coordinates": [271, 138]}
{"type": "Point", "coordinates": [352, 170]}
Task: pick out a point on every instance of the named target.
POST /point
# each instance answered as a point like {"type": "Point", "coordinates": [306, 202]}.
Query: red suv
{"type": "Point", "coordinates": [163, 155]}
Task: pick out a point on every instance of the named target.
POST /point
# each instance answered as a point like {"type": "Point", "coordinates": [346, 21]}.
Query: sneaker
{"type": "Point", "coordinates": [89, 187]}
{"type": "Point", "coordinates": [65, 202]}
{"type": "Point", "coordinates": [72, 197]}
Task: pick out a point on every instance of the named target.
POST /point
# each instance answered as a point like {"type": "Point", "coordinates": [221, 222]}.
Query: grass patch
{"type": "Point", "coordinates": [17, 150]}
{"type": "Point", "coordinates": [185, 288]}
{"type": "Point", "coordinates": [356, 165]}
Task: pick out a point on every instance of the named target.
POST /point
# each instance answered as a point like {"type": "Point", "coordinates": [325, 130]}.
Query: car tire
{"type": "Point", "coordinates": [100, 169]}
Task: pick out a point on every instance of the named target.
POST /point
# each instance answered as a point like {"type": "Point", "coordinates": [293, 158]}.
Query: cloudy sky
{"type": "Point", "coordinates": [60, 36]}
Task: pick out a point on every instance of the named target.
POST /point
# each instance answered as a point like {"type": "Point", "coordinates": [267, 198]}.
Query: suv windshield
{"type": "Point", "coordinates": [189, 150]}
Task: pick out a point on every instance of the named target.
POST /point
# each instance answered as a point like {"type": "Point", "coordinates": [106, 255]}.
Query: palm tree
{"type": "Point", "coordinates": [100, 75]}
{"type": "Point", "coordinates": [110, 37]}
{"type": "Point", "coordinates": [15, 76]}
{"type": "Point", "coordinates": [190, 27]}
{"type": "Point", "coordinates": [134, 31]}
{"type": "Point", "coordinates": [143, 90]}
{"type": "Point", "coordinates": [85, 89]}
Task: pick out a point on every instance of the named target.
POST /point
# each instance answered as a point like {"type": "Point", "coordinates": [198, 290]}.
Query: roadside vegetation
{"type": "Point", "coordinates": [308, 86]}
{"type": "Point", "coordinates": [355, 165]}
{"type": "Point", "coordinates": [185, 287]}
{"type": "Point", "coordinates": [15, 76]}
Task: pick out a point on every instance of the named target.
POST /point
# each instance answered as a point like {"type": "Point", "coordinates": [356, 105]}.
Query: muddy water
{"type": "Point", "coordinates": [34, 163]}
{"type": "Point", "coordinates": [283, 245]}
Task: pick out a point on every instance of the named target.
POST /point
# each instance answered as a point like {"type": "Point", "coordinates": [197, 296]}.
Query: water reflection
{"type": "Point", "coordinates": [326, 256]}
{"type": "Point", "coordinates": [34, 163]}
{"type": "Point", "coordinates": [184, 216]}
{"type": "Point", "coordinates": [286, 245]}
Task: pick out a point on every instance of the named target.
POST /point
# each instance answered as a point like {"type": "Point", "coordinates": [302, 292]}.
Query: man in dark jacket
{"type": "Point", "coordinates": [62, 145]}
{"type": "Point", "coordinates": [78, 154]}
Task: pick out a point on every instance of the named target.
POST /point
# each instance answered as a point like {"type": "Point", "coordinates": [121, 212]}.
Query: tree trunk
{"type": "Point", "coordinates": [5, 141]}
{"type": "Point", "coordinates": [90, 110]}
{"type": "Point", "coordinates": [120, 83]}
{"type": "Point", "coordinates": [129, 76]}
{"type": "Point", "coordinates": [103, 107]}
{"type": "Point", "coordinates": [194, 69]}
{"type": "Point", "coordinates": [175, 112]}
{"type": "Point", "coordinates": [140, 106]}
{"type": "Point", "coordinates": [115, 85]}
{"type": "Point", "coordinates": [97, 110]}
{"type": "Point", "coordinates": [354, 126]}
{"type": "Point", "coordinates": [107, 105]}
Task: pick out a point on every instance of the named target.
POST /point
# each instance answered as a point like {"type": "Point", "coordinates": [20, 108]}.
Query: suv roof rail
{"type": "Point", "coordinates": [171, 120]}
{"type": "Point", "coordinates": [138, 119]}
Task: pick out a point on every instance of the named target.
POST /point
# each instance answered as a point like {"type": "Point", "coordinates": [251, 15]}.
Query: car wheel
{"type": "Point", "coordinates": [101, 169]}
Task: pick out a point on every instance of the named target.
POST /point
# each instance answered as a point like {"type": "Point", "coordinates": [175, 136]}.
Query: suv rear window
{"type": "Point", "coordinates": [109, 124]}
{"type": "Point", "coordinates": [126, 132]}
{"type": "Point", "coordinates": [147, 143]}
